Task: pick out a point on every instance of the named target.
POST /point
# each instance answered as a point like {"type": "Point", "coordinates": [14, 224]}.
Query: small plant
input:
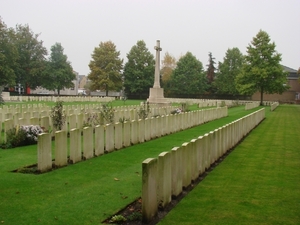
{"type": "Point", "coordinates": [123, 120]}
{"type": "Point", "coordinates": [93, 119]}
{"type": "Point", "coordinates": [1, 98]}
{"type": "Point", "coordinates": [107, 113]}
{"type": "Point", "coordinates": [124, 98]}
{"type": "Point", "coordinates": [176, 111]}
{"type": "Point", "coordinates": [222, 104]}
{"type": "Point", "coordinates": [185, 107]}
{"type": "Point", "coordinates": [117, 218]}
{"type": "Point", "coordinates": [144, 110]}
{"type": "Point", "coordinates": [57, 115]}
{"type": "Point", "coordinates": [21, 136]}
{"type": "Point", "coordinates": [135, 216]}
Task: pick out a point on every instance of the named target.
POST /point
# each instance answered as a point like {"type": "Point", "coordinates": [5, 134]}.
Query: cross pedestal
{"type": "Point", "coordinates": [156, 95]}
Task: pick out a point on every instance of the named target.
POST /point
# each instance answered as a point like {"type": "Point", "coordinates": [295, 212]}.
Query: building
{"type": "Point", "coordinates": [82, 79]}
{"type": "Point", "coordinates": [66, 91]}
{"type": "Point", "coordinates": [290, 96]}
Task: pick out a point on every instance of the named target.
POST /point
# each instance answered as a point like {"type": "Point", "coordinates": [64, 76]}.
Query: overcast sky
{"type": "Point", "coordinates": [198, 26]}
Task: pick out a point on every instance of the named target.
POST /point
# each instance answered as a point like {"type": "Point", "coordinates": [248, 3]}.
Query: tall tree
{"type": "Point", "coordinates": [139, 70]}
{"type": "Point", "coordinates": [227, 72]}
{"type": "Point", "coordinates": [211, 71]}
{"type": "Point", "coordinates": [167, 67]}
{"type": "Point", "coordinates": [188, 77]}
{"type": "Point", "coordinates": [262, 70]}
{"type": "Point", "coordinates": [106, 67]}
{"type": "Point", "coordinates": [32, 57]}
{"type": "Point", "coordinates": [60, 72]}
{"type": "Point", "coordinates": [8, 55]}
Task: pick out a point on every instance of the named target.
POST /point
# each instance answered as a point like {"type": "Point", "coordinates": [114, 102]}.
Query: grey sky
{"type": "Point", "coordinates": [198, 26]}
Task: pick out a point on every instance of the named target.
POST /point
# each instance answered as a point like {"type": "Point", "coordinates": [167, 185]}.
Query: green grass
{"type": "Point", "coordinates": [86, 192]}
{"type": "Point", "coordinates": [258, 183]}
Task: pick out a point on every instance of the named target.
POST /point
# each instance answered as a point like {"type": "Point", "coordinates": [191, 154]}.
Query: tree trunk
{"type": "Point", "coordinates": [261, 96]}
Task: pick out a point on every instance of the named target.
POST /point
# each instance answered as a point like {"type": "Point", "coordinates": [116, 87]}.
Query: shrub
{"type": "Point", "coordinates": [117, 218]}
{"type": "Point", "coordinates": [176, 111]}
{"type": "Point", "coordinates": [58, 118]}
{"type": "Point", "coordinates": [1, 99]}
{"type": "Point", "coordinates": [222, 104]}
{"type": "Point", "coordinates": [135, 216]}
{"type": "Point", "coordinates": [107, 113]}
{"type": "Point", "coordinates": [123, 119]}
{"type": "Point", "coordinates": [185, 107]}
{"type": "Point", "coordinates": [93, 119]}
{"type": "Point", "coordinates": [21, 136]}
{"type": "Point", "coordinates": [144, 110]}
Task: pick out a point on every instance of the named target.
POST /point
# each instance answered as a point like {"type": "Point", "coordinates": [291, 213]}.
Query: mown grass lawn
{"type": "Point", "coordinates": [258, 183]}
{"type": "Point", "coordinates": [87, 192]}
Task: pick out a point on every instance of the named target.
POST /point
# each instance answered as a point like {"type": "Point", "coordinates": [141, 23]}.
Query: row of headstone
{"type": "Point", "coordinates": [23, 115]}
{"type": "Point", "coordinates": [274, 105]}
{"type": "Point", "coordinates": [110, 137]}
{"type": "Point", "coordinates": [166, 176]}
{"type": "Point", "coordinates": [251, 105]}
{"type": "Point", "coordinates": [61, 98]}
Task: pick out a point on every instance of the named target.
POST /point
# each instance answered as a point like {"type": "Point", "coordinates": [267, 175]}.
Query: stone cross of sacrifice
{"type": "Point", "coordinates": [157, 63]}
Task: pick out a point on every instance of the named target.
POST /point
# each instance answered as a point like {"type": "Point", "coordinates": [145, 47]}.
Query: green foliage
{"type": "Point", "coordinates": [227, 72]}
{"type": "Point", "coordinates": [1, 98]}
{"type": "Point", "coordinates": [222, 104]}
{"type": "Point", "coordinates": [22, 136]}
{"type": "Point", "coordinates": [210, 74]}
{"type": "Point", "coordinates": [59, 74]}
{"type": "Point", "coordinates": [139, 70]}
{"type": "Point", "coordinates": [8, 55]}
{"type": "Point", "coordinates": [57, 115]}
{"type": "Point", "coordinates": [106, 67]}
{"type": "Point", "coordinates": [185, 107]}
{"type": "Point", "coordinates": [31, 62]}
{"type": "Point", "coordinates": [123, 120]}
{"type": "Point", "coordinates": [144, 110]}
{"type": "Point", "coordinates": [117, 218]}
{"type": "Point", "coordinates": [135, 216]}
{"type": "Point", "coordinates": [93, 119]}
{"type": "Point", "coordinates": [188, 77]}
{"type": "Point", "coordinates": [262, 70]}
{"type": "Point", "coordinates": [107, 113]}
{"type": "Point", "coordinates": [168, 65]}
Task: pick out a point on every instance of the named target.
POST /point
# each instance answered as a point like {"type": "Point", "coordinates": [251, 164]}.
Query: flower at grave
{"type": "Point", "coordinates": [32, 131]}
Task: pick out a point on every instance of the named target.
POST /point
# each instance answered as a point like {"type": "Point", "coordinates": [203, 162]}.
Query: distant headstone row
{"type": "Point", "coordinates": [6, 97]}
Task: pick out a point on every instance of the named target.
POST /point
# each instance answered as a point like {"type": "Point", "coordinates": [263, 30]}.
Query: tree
{"type": "Point", "coordinates": [8, 55]}
{"type": "Point", "coordinates": [262, 70]}
{"type": "Point", "coordinates": [227, 72]}
{"type": "Point", "coordinates": [106, 67]}
{"type": "Point", "coordinates": [60, 73]}
{"type": "Point", "coordinates": [210, 72]}
{"type": "Point", "coordinates": [188, 78]}
{"type": "Point", "coordinates": [31, 62]}
{"type": "Point", "coordinates": [139, 70]}
{"type": "Point", "coordinates": [168, 65]}
{"type": "Point", "coordinates": [299, 73]}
